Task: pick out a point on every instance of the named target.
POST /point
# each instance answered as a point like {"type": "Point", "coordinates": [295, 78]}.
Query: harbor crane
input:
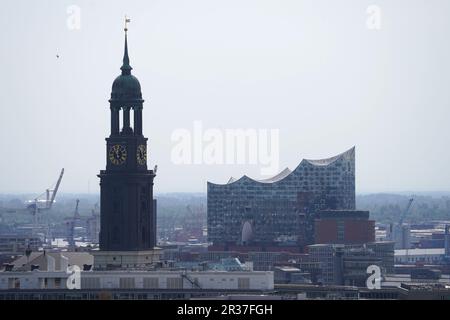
{"type": "Point", "coordinates": [408, 206]}
{"type": "Point", "coordinates": [71, 223]}
{"type": "Point", "coordinates": [35, 206]}
{"type": "Point", "coordinates": [50, 197]}
{"type": "Point", "coordinates": [399, 233]}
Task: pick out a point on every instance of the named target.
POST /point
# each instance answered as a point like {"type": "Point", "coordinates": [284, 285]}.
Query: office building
{"type": "Point", "coordinates": [344, 226]}
{"type": "Point", "coordinates": [347, 264]}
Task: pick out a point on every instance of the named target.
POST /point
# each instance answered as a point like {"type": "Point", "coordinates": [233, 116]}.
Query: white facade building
{"type": "Point", "coordinates": [213, 280]}
{"type": "Point", "coordinates": [411, 256]}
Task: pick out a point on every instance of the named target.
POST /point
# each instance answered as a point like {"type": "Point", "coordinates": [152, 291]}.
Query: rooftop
{"type": "Point", "coordinates": [349, 154]}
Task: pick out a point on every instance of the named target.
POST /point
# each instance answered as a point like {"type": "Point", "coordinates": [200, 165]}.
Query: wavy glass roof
{"type": "Point", "coordinates": [349, 155]}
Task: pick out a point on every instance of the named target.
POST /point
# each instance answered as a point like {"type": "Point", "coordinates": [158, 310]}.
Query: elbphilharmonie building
{"type": "Point", "coordinates": [280, 210]}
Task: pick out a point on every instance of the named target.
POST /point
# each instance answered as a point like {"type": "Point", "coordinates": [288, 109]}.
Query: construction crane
{"type": "Point", "coordinates": [402, 217]}
{"type": "Point", "coordinates": [401, 234]}
{"type": "Point", "coordinates": [50, 196]}
{"type": "Point", "coordinates": [93, 225]}
{"type": "Point", "coordinates": [34, 208]}
{"type": "Point", "coordinates": [70, 223]}
{"type": "Point", "coordinates": [54, 191]}
{"type": "Point", "coordinates": [86, 227]}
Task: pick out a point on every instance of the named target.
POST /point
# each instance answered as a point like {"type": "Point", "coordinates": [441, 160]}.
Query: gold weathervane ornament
{"type": "Point", "coordinates": [127, 21]}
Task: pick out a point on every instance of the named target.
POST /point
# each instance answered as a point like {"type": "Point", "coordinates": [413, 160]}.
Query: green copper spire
{"type": "Point", "coordinates": [126, 68]}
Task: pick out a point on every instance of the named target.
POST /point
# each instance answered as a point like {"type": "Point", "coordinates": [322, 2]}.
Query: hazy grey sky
{"type": "Point", "coordinates": [309, 68]}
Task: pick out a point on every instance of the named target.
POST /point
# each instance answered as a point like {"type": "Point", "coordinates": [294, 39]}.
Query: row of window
{"type": "Point", "coordinates": [124, 283]}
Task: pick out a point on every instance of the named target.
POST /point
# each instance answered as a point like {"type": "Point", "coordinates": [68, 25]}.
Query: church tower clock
{"type": "Point", "coordinates": [128, 211]}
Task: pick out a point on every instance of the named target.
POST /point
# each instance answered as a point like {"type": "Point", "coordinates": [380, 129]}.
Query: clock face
{"type": "Point", "coordinates": [117, 154]}
{"type": "Point", "coordinates": [141, 154]}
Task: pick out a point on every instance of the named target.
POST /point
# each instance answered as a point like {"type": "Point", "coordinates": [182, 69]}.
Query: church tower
{"type": "Point", "coordinates": [128, 211]}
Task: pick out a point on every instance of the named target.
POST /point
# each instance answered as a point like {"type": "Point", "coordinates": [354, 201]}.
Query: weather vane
{"type": "Point", "coordinates": [127, 21]}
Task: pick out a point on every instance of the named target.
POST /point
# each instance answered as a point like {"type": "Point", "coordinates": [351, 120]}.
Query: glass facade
{"type": "Point", "coordinates": [280, 210]}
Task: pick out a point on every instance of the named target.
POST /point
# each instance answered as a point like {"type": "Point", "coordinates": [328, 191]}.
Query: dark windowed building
{"type": "Point", "coordinates": [280, 211]}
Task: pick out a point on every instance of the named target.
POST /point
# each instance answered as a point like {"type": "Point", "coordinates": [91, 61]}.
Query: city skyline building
{"type": "Point", "coordinates": [280, 210]}
{"type": "Point", "coordinates": [344, 226]}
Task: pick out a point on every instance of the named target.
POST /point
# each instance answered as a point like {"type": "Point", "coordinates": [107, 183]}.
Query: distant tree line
{"type": "Point", "coordinates": [388, 208]}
